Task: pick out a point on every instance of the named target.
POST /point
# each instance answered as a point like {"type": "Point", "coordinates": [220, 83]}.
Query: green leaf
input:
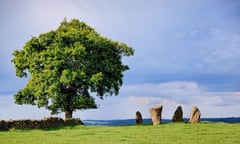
{"type": "Point", "coordinates": [65, 64]}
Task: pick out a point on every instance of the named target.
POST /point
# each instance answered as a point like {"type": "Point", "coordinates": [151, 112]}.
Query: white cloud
{"type": "Point", "coordinates": [9, 110]}
{"type": "Point", "coordinates": [141, 98]}
{"type": "Point", "coordinates": [188, 94]}
{"type": "Point", "coordinates": [177, 89]}
{"type": "Point", "coordinates": [219, 51]}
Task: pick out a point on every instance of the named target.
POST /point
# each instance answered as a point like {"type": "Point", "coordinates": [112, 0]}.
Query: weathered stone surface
{"type": "Point", "coordinates": [38, 124]}
{"type": "Point", "coordinates": [156, 114]}
{"type": "Point", "coordinates": [195, 115]}
{"type": "Point", "coordinates": [178, 115]}
{"type": "Point", "coordinates": [139, 119]}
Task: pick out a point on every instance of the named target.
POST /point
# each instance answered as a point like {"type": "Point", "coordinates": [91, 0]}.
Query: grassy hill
{"type": "Point", "coordinates": [170, 133]}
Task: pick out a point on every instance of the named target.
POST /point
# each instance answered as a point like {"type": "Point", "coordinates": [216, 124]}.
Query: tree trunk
{"type": "Point", "coordinates": [68, 114]}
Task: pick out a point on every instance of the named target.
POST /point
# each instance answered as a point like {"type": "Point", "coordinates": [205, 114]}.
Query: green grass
{"type": "Point", "coordinates": [171, 133]}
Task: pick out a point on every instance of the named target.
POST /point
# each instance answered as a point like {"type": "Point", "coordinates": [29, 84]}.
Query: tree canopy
{"type": "Point", "coordinates": [67, 65]}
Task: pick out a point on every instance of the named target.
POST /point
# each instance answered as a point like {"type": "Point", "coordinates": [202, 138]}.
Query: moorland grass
{"type": "Point", "coordinates": [170, 133]}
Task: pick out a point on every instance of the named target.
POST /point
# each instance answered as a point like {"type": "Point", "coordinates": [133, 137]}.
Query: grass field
{"type": "Point", "coordinates": [171, 133]}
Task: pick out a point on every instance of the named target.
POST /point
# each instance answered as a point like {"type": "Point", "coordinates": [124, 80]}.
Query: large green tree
{"type": "Point", "coordinates": [67, 65]}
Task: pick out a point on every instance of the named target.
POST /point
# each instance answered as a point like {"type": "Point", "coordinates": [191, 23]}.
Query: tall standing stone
{"type": "Point", "coordinates": [195, 115]}
{"type": "Point", "coordinates": [139, 119]}
{"type": "Point", "coordinates": [156, 114]}
{"type": "Point", "coordinates": [178, 115]}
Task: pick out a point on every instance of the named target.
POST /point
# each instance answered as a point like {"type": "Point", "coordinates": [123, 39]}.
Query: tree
{"type": "Point", "coordinates": [67, 65]}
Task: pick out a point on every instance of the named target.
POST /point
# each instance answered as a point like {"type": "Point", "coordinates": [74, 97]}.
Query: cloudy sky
{"type": "Point", "coordinates": [187, 52]}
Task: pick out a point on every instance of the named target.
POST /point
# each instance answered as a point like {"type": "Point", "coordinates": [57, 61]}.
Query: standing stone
{"type": "Point", "coordinates": [195, 115]}
{"type": "Point", "coordinates": [139, 119]}
{"type": "Point", "coordinates": [156, 114]}
{"type": "Point", "coordinates": [178, 115]}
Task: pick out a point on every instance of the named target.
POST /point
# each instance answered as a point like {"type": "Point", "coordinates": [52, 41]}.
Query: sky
{"type": "Point", "coordinates": [187, 52]}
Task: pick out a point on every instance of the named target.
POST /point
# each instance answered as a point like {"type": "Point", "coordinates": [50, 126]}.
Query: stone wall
{"type": "Point", "coordinates": [38, 124]}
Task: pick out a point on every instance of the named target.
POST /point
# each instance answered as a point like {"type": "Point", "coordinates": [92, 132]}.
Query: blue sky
{"type": "Point", "coordinates": [187, 52]}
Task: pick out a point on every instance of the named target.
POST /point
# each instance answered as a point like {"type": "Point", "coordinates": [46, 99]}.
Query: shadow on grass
{"type": "Point", "coordinates": [69, 126]}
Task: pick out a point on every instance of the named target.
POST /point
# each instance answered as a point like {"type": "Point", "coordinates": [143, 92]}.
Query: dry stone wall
{"type": "Point", "coordinates": [38, 124]}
